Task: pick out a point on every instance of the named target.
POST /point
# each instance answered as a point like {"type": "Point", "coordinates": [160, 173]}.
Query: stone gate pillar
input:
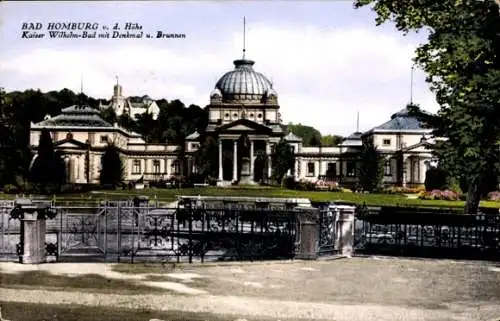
{"type": "Point", "coordinates": [344, 229]}
{"type": "Point", "coordinates": [33, 229]}
{"type": "Point", "coordinates": [307, 233]}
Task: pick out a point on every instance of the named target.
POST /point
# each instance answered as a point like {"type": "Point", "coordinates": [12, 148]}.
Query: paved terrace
{"type": "Point", "coordinates": [364, 289]}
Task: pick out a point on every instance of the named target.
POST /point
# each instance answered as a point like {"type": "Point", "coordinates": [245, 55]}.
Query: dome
{"type": "Point", "coordinates": [243, 83]}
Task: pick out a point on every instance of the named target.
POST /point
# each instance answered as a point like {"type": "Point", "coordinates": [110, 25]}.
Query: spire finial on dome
{"type": "Point", "coordinates": [244, 36]}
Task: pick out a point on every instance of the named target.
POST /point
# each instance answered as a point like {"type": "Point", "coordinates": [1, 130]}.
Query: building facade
{"type": "Point", "coordinates": [245, 120]}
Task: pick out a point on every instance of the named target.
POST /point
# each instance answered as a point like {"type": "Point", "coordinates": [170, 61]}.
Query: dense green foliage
{"type": "Point", "coordinates": [282, 160]}
{"type": "Point", "coordinates": [311, 136]}
{"type": "Point", "coordinates": [112, 169]}
{"type": "Point", "coordinates": [371, 167]}
{"type": "Point", "coordinates": [435, 178]}
{"type": "Point", "coordinates": [48, 171]}
{"type": "Point", "coordinates": [461, 59]}
{"type": "Point", "coordinates": [207, 158]}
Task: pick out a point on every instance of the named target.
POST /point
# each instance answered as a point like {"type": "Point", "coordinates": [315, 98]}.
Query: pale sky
{"type": "Point", "coordinates": [327, 60]}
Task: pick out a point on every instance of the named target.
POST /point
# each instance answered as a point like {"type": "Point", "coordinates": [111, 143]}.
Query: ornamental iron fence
{"type": "Point", "coordinates": [407, 232]}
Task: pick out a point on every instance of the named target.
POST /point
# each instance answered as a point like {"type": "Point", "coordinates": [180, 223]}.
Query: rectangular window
{"type": "Point", "coordinates": [104, 139]}
{"type": "Point", "coordinates": [386, 142]}
{"type": "Point", "coordinates": [351, 168]}
{"type": "Point", "coordinates": [156, 166]}
{"type": "Point", "coordinates": [387, 168]}
{"type": "Point", "coordinates": [331, 170]}
{"type": "Point", "coordinates": [136, 166]}
{"type": "Point", "coordinates": [310, 169]}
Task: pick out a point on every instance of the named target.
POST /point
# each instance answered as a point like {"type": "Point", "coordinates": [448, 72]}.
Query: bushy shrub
{"type": "Point", "coordinates": [305, 185]}
{"type": "Point", "coordinates": [435, 179]}
{"type": "Point", "coordinates": [454, 185]}
{"type": "Point", "coordinates": [494, 196]}
{"type": "Point", "coordinates": [289, 182]}
{"type": "Point", "coordinates": [10, 189]}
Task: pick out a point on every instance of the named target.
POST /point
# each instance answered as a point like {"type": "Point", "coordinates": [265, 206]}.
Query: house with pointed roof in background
{"type": "Point", "coordinates": [132, 106]}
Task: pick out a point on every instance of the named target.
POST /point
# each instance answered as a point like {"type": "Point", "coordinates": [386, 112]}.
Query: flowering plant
{"type": "Point", "coordinates": [494, 196]}
{"type": "Point", "coordinates": [446, 195]}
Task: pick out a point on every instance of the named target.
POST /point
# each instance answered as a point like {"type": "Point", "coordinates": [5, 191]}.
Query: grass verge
{"type": "Point", "coordinates": [168, 195]}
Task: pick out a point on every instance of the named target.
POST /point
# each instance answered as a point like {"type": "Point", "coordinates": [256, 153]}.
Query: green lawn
{"type": "Point", "coordinates": [166, 195]}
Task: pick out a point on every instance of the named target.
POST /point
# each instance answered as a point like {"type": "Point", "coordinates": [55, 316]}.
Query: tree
{"type": "Point", "coordinates": [112, 171]}
{"type": "Point", "coordinates": [463, 69]}
{"type": "Point", "coordinates": [282, 160]}
{"type": "Point", "coordinates": [207, 157]}
{"type": "Point", "coordinates": [331, 140]}
{"type": "Point", "coordinates": [48, 170]}
{"type": "Point", "coordinates": [371, 167]}
{"type": "Point", "coordinates": [310, 135]}
{"type": "Point", "coordinates": [109, 115]}
{"type": "Point", "coordinates": [435, 178]}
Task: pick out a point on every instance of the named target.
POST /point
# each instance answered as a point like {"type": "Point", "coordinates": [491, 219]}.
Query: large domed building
{"type": "Point", "coordinates": [244, 117]}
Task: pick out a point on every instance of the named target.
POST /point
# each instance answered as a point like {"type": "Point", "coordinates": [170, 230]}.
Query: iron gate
{"type": "Point", "coordinates": [10, 232]}
{"type": "Point", "coordinates": [327, 237]}
{"type": "Point", "coordinates": [83, 232]}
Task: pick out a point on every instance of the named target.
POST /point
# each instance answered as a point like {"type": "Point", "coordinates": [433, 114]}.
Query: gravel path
{"type": "Point", "coordinates": [361, 289]}
{"type": "Point", "coordinates": [232, 305]}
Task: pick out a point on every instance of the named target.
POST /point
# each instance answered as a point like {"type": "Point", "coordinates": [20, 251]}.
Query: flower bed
{"type": "Point", "coordinates": [403, 190]}
{"type": "Point", "coordinates": [446, 195]}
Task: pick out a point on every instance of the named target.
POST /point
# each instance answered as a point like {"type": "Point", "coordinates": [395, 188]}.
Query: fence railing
{"type": "Point", "coordinates": [428, 233]}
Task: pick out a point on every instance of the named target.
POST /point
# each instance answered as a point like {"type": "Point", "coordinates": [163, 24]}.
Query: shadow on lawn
{"type": "Point", "coordinates": [95, 283]}
{"type": "Point", "coordinates": [44, 312]}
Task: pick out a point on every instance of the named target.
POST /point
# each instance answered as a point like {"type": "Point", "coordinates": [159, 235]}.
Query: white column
{"type": "Point", "coordinates": [405, 169]}
{"type": "Point", "coordinates": [269, 166]}
{"type": "Point", "coordinates": [220, 160]}
{"type": "Point", "coordinates": [423, 170]}
{"type": "Point", "coordinates": [168, 166]}
{"type": "Point", "coordinates": [251, 160]}
{"type": "Point", "coordinates": [235, 160]}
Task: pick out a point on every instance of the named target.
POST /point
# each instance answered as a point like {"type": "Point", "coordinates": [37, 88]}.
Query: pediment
{"type": "Point", "coordinates": [244, 125]}
{"type": "Point", "coordinates": [421, 147]}
{"type": "Point", "coordinates": [240, 127]}
{"type": "Point", "coordinates": [69, 143]}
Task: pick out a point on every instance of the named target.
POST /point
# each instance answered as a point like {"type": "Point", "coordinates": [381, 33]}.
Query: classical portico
{"type": "Point", "coordinates": [244, 150]}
